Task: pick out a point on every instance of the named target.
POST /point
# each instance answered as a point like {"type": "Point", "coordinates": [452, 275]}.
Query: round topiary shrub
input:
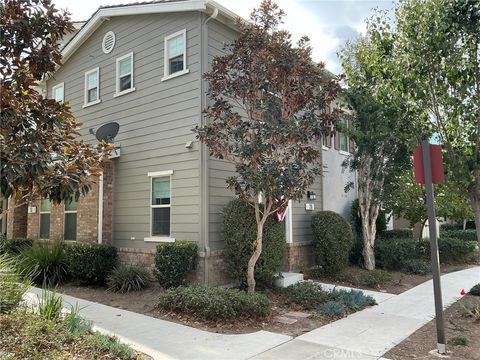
{"type": "Point", "coordinates": [239, 233]}
{"type": "Point", "coordinates": [332, 241]}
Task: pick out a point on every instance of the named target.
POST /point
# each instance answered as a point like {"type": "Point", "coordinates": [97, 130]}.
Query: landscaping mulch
{"type": "Point", "coordinates": [462, 334]}
{"type": "Point", "coordinates": [399, 282]}
{"type": "Point", "coordinates": [280, 321]}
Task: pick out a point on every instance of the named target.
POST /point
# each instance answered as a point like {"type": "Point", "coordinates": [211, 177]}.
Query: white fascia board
{"type": "Point", "coordinates": [103, 14]}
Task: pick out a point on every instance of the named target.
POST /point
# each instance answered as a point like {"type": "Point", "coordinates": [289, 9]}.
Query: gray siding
{"type": "Point", "coordinates": [155, 120]}
{"type": "Point", "coordinates": [334, 181]}
{"type": "Point", "coordinates": [219, 195]}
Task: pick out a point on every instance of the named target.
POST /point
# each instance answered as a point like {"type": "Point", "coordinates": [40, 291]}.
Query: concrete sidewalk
{"type": "Point", "coordinates": [167, 340]}
{"type": "Point", "coordinates": [368, 334]}
{"type": "Point", "coordinates": [365, 335]}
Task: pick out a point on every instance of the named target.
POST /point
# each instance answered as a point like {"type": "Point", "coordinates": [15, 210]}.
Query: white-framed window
{"type": "Point", "coordinates": [45, 210]}
{"type": "Point", "coordinates": [70, 223]}
{"type": "Point", "coordinates": [343, 138]}
{"type": "Point", "coordinates": [124, 79]}
{"type": "Point", "coordinates": [175, 55]}
{"type": "Point", "coordinates": [160, 206]}
{"type": "Point", "coordinates": [92, 88]}
{"type": "Point", "coordinates": [58, 92]}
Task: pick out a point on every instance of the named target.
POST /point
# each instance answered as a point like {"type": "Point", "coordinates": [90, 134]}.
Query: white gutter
{"type": "Point", "coordinates": [100, 209]}
{"type": "Point", "coordinates": [289, 223]}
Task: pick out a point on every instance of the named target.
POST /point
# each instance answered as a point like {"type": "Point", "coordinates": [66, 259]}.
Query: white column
{"type": "Point", "coordinates": [289, 224]}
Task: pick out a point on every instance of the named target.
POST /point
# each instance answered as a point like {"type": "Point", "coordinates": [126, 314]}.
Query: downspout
{"type": "Point", "coordinates": [204, 154]}
{"type": "Point", "coordinates": [100, 209]}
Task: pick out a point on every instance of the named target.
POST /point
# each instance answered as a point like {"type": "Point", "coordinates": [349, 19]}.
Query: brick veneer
{"type": "Point", "coordinates": [108, 183]}
{"type": "Point", "coordinates": [299, 256]}
{"type": "Point", "coordinates": [17, 221]}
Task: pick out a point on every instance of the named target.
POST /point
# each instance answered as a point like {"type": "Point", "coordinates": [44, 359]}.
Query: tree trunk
{"type": "Point", "coordinates": [369, 230]}
{"type": "Point", "coordinates": [257, 251]}
{"type": "Point", "coordinates": [475, 198]}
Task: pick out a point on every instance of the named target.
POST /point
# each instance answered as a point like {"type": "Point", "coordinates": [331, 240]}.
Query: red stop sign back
{"type": "Point", "coordinates": [436, 160]}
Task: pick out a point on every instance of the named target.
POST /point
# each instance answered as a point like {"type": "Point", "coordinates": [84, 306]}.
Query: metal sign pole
{"type": "Point", "coordinates": [432, 226]}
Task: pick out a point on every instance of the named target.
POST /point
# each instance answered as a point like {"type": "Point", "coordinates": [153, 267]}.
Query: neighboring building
{"type": "Point", "coordinates": [141, 65]}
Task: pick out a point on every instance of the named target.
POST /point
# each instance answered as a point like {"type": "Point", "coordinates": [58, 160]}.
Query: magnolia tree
{"type": "Point", "coordinates": [266, 97]}
{"type": "Point", "coordinates": [40, 155]}
{"type": "Point", "coordinates": [379, 129]}
{"type": "Point", "coordinates": [438, 51]}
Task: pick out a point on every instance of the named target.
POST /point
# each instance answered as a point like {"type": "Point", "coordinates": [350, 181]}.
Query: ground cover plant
{"type": "Point", "coordinates": [214, 304]}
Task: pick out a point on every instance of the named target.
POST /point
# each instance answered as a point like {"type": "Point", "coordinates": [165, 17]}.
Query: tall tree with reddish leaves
{"type": "Point", "coordinates": [266, 116]}
{"type": "Point", "coordinates": [40, 154]}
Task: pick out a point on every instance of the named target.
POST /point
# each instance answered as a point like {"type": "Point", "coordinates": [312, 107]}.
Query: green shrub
{"type": "Point", "coordinates": [174, 261]}
{"type": "Point", "coordinates": [214, 304]}
{"type": "Point", "coordinates": [306, 294]}
{"type": "Point", "coordinates": [352, 299]}
{"type": "Point", "coordinates": [334, 308]}
{"type": "Point", "coordinates": [239, 234]}
{"type": "Point", "coordinates": [129, 278]}
{"type": "Point", "coordinates": [44, 263]}
{"type": "Point", "coordinates": [106, 344]}
{"type": "Point", "coordinates": [397, 234]}
{"type": "Point", "coordinates": [49, 304]}
{"type": "Point", "coordinates": [451, 250]}
{"type": "Point", "coordinates": [448, 227]}
{"type": "Point", "coordinates": [90, 263]}
{"type": "Point", "coordinates": [475, 290]}
{"type": "Point", "coordinates": [14, 246]}
{"type": "Point", "coordinates": [374, 279]}
{"type": "Point", "coordinates": [332, 241]}
{"type": "Point", "coordinates": [465, 235]}
{"type": "Point", "coordinates": [12, 288]}
{"type": "Point", "coordinates": [416, 266]}
{"type": "Point", "coordinates": [392, 254]}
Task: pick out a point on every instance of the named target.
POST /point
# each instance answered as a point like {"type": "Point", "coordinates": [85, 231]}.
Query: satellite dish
{"type": "Point", "coordinates": [107, 132]}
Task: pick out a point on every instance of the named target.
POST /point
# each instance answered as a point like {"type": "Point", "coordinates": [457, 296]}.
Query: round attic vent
{"type": "Point", "coordinates": [108, 42]}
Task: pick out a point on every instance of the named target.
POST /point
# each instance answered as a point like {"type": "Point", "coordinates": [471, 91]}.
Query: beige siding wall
{"type": "Point", "coordinates": [155, 120]}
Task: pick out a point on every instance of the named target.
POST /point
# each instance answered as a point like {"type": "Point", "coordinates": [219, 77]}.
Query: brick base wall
{"type": "Point", "coordinates": [17, 221]}
{"type": "Point", "coordinates": [146, 258]}
{"type": "Point", "coordinates": [299, 256]}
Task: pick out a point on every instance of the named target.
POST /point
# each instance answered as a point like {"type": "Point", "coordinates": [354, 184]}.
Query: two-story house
{"type": "Point", "coordinates": [140, 65]}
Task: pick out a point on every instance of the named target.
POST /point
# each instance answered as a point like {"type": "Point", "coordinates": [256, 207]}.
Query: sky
{"type": "Point", "coordinates": [328, 23]}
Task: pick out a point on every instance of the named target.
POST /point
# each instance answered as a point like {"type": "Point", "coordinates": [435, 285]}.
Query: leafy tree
{"type": "Point", "coordinates": [438, 50]}
{"type": "Point", "coordinates": [408, 200]}
{"type": "Point", "coordinates": [40, 155]}
{"type": "Point", "coordinates": [266, 95]}
{"type": "Point", "coordinates": [380, 128]}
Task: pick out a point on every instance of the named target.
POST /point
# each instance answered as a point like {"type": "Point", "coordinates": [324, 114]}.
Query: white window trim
{"type": "Point", "coordinates": [65, 211]}
{"type": "Point", "coordinates": [166, 75]}
{"type": "Point", "coordinates": [152, 175]}
{"type": "Point", "coordinates": [40, 212]}
{"type": "Point", "coordinates": [343, 152]}
{"type": "Point", "coordinates": [86, 103]}
{"type": "Point", "coordinates": [117, 81]}
{"type": "Point", "coordinates": [54, 88]}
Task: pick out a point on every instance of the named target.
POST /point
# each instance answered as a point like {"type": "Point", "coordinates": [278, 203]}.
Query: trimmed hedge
{"type": "Point", "coordinates": [465, 235]}
{"type": "Point", "coordinates": [392, 254]}
{"type": "Point", "coordinates": [448, 227]}
{"type": "Point", "coordinates": [332, 241]}
{"type": "Point", "coordinates": [174, 261]}
{"type": "Point", "coordinates": [14, 246]}
{"type": "Point", "coordinates": [90, 263]}
{"type": "Point", "coordinates": [215, 304]}
{"type": "Point", "coordinates": [397, 234]}
{"type": "Point", "coordinates": [451, 250]}
{"type": "Point", "coordinates": [239, 234]}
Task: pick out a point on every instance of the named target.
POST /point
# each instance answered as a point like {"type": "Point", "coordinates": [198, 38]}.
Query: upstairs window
{"type": "Point", "coordinates": [58, 92]}
{"type": "Point", "coordinates": [70, 228]}
{"type": "Point", "coordinates": [125, 74]}
{"type": "Point", "coordinates": [160, 206]}
{"type": "Point", "coordinates": [45, 209]}
{"type": "Point", "coordinates": [343, 138]}
{"type": "Point", "coordinates": [175, 54]}
{"type": "Point", "coordinates": [92, 95]}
